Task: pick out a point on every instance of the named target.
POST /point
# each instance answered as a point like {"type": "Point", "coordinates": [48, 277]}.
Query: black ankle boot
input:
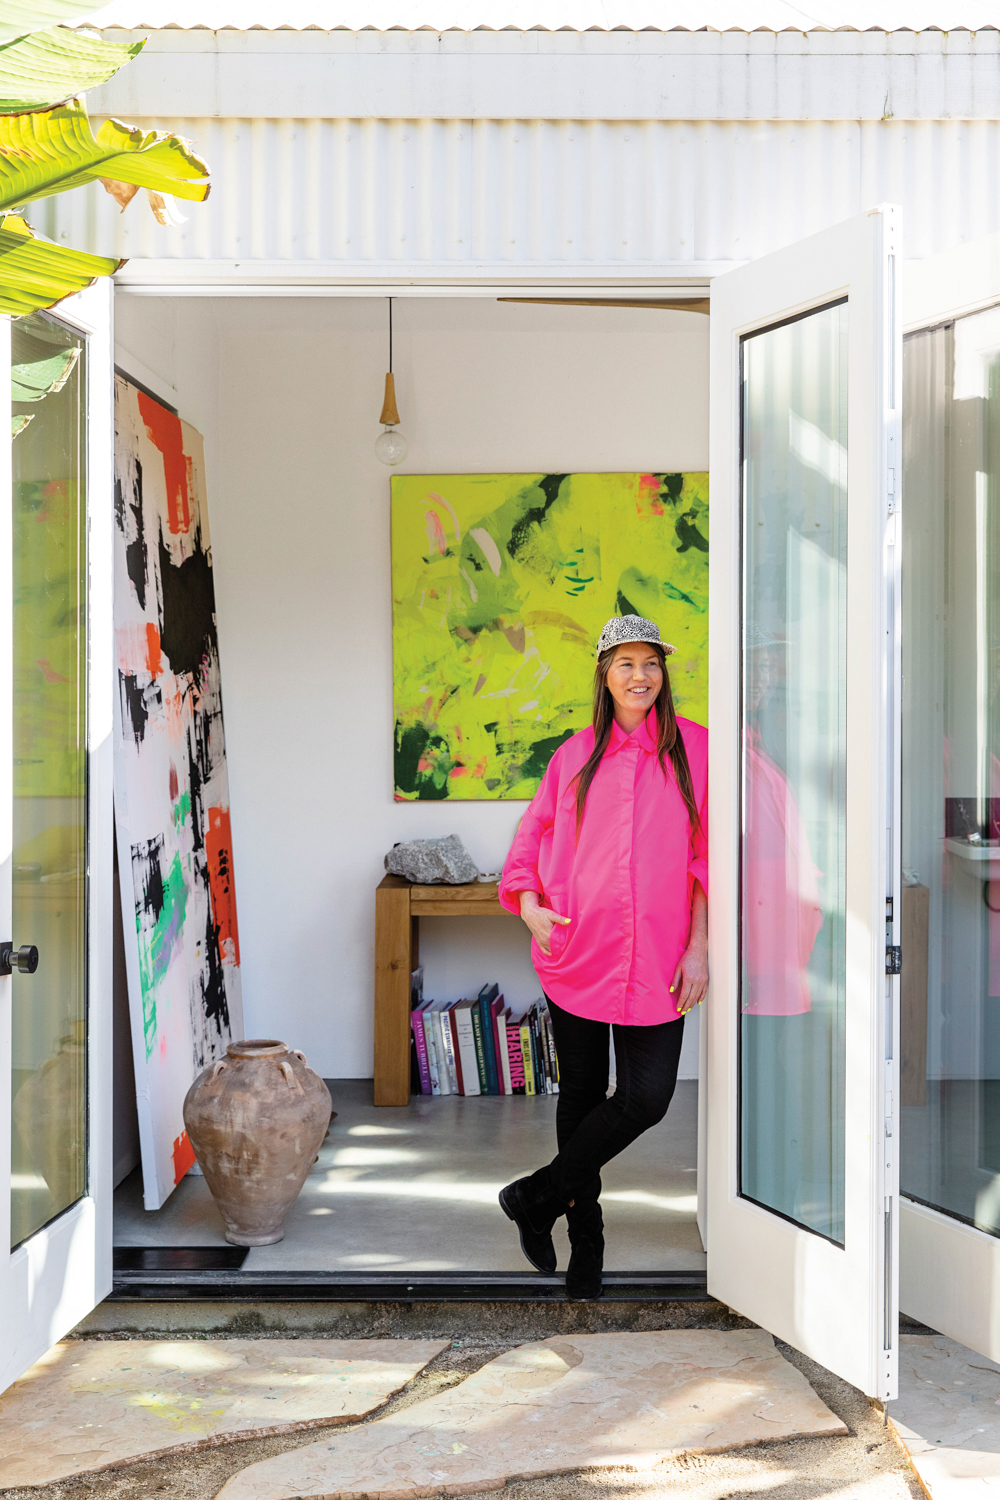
{"type": "Point", "coordinates": [531, 1204]}
{"type": "Point", "coordinates": [585, 1224]}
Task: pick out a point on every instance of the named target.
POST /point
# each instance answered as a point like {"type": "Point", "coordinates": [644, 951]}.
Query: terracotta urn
{"type": "Point", "coordinates": [256, 1120]}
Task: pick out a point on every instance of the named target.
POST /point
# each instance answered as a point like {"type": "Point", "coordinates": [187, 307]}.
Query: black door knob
{"type": "Point", "coordinates": [23, 959]}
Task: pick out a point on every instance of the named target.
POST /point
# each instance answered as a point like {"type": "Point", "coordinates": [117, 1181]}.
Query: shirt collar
{"type": "Point", "coordinates": [644, 738]}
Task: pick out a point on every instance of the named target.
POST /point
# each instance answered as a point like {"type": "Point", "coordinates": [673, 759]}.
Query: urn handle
{"type": "Point", "coordinates": [290, 1078]}
{"type": "Point", "coordinates": [302, 1059]}
{"type": "Point", "coordinates": [220, 1067]}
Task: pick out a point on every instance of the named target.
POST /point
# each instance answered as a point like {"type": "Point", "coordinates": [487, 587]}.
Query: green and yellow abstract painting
{"type": "Point", "coordinates": [500, 586]}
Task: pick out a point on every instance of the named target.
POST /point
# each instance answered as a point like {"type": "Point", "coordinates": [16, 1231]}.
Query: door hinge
{"type": "Point", "coordinates": [894, 960]}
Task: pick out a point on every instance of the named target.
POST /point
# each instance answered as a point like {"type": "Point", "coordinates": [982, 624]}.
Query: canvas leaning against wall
{"type": "Point", "coordinates": [501, 583]}
{"type": "Point", "coordinates": [171, 787]}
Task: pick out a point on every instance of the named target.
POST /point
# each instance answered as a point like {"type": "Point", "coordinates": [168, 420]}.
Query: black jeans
{"type": "Point", "coordinates": [591, 1128]}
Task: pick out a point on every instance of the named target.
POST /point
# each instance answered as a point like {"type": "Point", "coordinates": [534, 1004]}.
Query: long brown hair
{"type": "Point", "coordinates": [669, 740]}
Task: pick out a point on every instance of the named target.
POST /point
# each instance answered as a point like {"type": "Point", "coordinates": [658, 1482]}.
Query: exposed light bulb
{"type": "Point", "coordinates": [390, 446]}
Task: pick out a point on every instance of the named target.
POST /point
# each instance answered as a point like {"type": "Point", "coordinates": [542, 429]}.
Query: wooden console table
{"type": "Point", "coordinates": [398, 905]}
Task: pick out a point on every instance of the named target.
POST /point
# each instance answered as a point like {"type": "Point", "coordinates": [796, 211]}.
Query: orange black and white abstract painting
{"type": "Point", "coordinates": [172, 817]}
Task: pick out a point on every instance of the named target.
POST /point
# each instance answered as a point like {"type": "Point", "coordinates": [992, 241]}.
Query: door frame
{"type": "Point", "coordinates": [56, 1277]}
{"type": "Point", "coordinates": [836, 1304]}
{"type": "Point", "coordinates": [949, 1271]}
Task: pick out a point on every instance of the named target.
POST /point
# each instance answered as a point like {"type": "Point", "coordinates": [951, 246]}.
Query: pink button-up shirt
{"type": "Point", "coordinates": [626, 886]}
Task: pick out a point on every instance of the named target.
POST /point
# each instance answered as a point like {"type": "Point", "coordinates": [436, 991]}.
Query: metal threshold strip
{"type": "Point", "coordinates": [197, 1275]}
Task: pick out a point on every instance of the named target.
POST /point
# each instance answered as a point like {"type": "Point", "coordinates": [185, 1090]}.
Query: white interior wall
{"type": "Point", "coordinates": [287, 392]}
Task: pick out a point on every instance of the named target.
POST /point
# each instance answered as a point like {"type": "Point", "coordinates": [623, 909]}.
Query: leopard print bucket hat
{"type": "Point", "coordinates": [620, 630]}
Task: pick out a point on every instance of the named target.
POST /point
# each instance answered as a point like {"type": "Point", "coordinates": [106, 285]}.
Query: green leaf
{"type": "Point", "coordinates": [42, 377]}
{"type": "Point", "coordinates": [50, 66]}
{"type": "Point", "coordinates": [34, 273]}
{"type": "Point", "coordinates": [18, 424]}
{"type": "Point", "coordinates": [54, 150]}
{"type": "Point", "coordinates": [19, 17]}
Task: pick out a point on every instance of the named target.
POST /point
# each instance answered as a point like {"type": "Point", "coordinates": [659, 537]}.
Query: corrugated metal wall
{"type": "Point", "coordinates": [520, 196]}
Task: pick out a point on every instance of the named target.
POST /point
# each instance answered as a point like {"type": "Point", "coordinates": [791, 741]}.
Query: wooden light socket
{"type": "Point", "coordinates": [390, 416]}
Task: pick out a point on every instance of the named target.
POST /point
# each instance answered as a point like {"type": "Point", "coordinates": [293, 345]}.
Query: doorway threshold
{"type": "Point", "coordinates": [178, 1274]}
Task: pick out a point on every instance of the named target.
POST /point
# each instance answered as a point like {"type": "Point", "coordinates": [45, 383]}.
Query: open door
{"type": "Point", "coordinates": [802, 1216]}
{"type": "Point", "coordinates": [55, 825]}
{"type": "Point", "coordinates": [950, 1022]}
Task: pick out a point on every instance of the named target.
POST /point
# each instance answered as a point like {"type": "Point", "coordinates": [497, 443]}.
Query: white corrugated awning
{"type": "Point", "coordinates": [551, 15]}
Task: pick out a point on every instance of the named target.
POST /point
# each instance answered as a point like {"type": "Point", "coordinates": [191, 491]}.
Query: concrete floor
{"type": "Point", "coordinates": [415, 1189]}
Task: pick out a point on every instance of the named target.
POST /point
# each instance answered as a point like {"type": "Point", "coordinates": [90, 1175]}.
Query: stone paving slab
{"type": "Point", "coordinates": [576, 1401]}
{"type": "Point", "coordinates": [948, 1416]}
{"type": "Point", "coordinates": [89, 1405]}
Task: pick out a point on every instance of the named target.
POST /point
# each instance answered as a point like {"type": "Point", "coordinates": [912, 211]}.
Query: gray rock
{"type": "Point", "coordinates": [432, 861]}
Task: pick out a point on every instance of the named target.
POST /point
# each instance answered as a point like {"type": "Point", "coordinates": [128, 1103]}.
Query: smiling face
{"type": "Point", "coordinates": [634, 680]}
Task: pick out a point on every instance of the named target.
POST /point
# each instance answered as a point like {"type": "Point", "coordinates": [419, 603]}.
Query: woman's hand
{"type": "Point", "coordinates": [689, 985]}
{"type": "Point", "coordinates": [690, 982]}
{"type": "Point", "coordinates": [540, 920]}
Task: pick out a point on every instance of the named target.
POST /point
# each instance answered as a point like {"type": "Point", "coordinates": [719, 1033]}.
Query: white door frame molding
{"type": "Point", "coordinates": [836, 1304]}
{"type": "Point", "coordinates": [949, 1272]}
{"type": "Point", "coordinates": [55, 1278]}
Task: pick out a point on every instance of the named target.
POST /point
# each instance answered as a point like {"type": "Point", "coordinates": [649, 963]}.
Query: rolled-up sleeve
{"type": "Point", "coordinates": [520, 869]}
{"type": "Point", "coordinates": [698, 847]}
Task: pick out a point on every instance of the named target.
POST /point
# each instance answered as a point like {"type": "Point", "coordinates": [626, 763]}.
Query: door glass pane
{"type": "Point", "coordinates": [950, 918]}
{"type": "Point", "coordinates": [50, 772]}
{"type": "Point", "coordinates": [793, 885]}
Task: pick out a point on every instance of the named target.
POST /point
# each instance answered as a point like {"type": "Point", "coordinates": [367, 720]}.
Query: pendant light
{"type": "Point", "coordinates": [390, 445]}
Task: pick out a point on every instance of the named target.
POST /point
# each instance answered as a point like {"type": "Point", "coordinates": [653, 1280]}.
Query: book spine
{"type": "Point", "coordinates": [449, 1061]}
{"type": "Point", "coordinates": [529, 1072]}
{"type": "Point", "coordinates": [504, 1051]}
{"type": "Point", "coordinates": [467, 1043]}
{"type": "Point", "coordinates": [496, 1009]}
{"type": "Point", "coordinates": [489, 1051]}
{"type": "Point", "coordinates": [550, 1042]}
{"type": "Point", "coordinates": [452, 1019]}
{"type": "Point", "coordinates": [432, 1056]}
{"type": "Point", "coordinates": [444, 1021]}
{"type": "Point", "coordinates": [417, 1023]}
{"type": "Point", "coordinates": [536, 1058]}
{"type": "Point", "coordinates": [543, 1056]}
{"type": "Point", "coordinates": [477, 1032]}
{"type": "Point", "coordinates": [434, 1025]}
{"type": "Point", "coordinates": [515, 1062]}
{"type": "Point", "coordinates": [543, 1051]}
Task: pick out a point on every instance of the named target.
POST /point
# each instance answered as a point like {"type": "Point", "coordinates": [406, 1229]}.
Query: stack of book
{"type": "Point", "coordinates": [479, 1047]}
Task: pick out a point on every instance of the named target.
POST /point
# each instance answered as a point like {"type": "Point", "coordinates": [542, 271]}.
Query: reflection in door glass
{"type": "Point", "coordinates": [50, 772]}
{"type": "Point", "coordinates": [950, 918]}
{"type": "Point", "coordinates": [793, 886]}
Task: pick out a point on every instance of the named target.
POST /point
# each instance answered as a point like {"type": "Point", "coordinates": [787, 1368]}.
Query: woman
{"type": "Point", "coordinates": [608, 869]}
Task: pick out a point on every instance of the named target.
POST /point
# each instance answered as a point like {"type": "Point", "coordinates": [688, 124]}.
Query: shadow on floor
{"type": "Point", "coordinates": [415, 1189]}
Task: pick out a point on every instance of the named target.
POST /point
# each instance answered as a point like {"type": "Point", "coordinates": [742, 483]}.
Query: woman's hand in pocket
{"type": "Point", "coordinates": [540, 920]}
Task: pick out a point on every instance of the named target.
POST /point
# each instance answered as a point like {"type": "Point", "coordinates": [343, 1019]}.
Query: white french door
{"type": "Point", "coordinates": [950, 1022]}
{"type": "Point", "coordinates": [56, 635]}
{"type": "Point", "coordinates": [802, 1200]}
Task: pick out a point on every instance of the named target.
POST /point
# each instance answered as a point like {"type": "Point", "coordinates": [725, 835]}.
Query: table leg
{"type": "Point", "coordinates": [393, 962]}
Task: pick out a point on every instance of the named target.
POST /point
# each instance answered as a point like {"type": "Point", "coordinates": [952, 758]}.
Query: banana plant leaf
{"type": "Point", "coordinates": [19, 17]}
{"type": "Point", "coordinates": [35, 273]}
{"type": "Point", "coordinates": [50, 66]}
{"type": "Point", "coordinates": [18, 424]}
{"type": "Point", "coordinates": [54, 150]}
{"type": "Point", "coordinates": [42, 377]}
